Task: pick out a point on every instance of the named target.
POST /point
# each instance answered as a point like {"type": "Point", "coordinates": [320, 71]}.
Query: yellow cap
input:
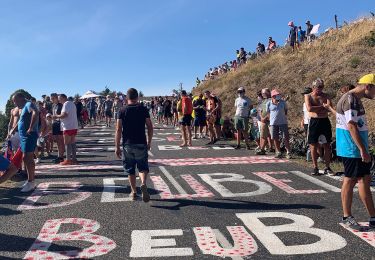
{"type": "Point", "coordinates": [367, 79]}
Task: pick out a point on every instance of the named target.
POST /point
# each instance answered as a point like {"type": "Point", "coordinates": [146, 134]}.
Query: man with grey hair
{"type": "Point", "coordinates": [264, 130]}
{"type": "Point", "coordinates": [320, 129]}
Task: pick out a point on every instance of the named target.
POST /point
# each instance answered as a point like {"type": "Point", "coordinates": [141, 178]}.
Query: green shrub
{"type": "Point", "coordinates": [354, 62]}
{"type": "Point", "coordinates": [370, 40]}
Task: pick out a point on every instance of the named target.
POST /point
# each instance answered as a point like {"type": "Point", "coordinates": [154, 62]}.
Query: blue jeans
{"type": "Point", "coordinates": [135, 155]}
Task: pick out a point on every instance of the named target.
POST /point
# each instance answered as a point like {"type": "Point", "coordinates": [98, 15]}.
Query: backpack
{"type": "Point", "coordinates": [187, 106]}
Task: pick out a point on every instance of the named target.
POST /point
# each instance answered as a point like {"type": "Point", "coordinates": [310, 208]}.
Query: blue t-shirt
{"type": "Point", "coordinates": [277, 112]}
{"type": "Point", "coordinates": [25, 119]}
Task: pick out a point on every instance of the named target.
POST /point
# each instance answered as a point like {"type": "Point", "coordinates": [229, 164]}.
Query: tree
{"type": "Point", "coordinates": [4, 118]}
{"type": "Point", "coordinates": [105, 92]}
{"type": "Point", "coordinates": [3, 126]}
{"type": "Point", "coordinates": [9, 106]}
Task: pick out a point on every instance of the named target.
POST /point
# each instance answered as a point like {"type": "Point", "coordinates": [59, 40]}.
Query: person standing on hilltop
{"type": "Point", "coordinates": [352, 146]}
{"type": "Point", "coordinates": [320, 129]}
{"type": "Point", "coordinates": [293, 35]}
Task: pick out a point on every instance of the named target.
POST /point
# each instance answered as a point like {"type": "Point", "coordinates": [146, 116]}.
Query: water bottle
{"type": "Point", "coordinates": [308, 155]}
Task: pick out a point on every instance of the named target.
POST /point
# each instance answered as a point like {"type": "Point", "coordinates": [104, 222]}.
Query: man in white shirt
{"type": "Point", "coordinates": [69, 125]}
{"type": "Point", "coordinates": [241, 119]}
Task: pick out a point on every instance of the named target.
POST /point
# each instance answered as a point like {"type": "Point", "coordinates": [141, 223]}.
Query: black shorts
{"type": "Point", "coordinates": [199, 121]}
{"type": "Point", "coordinates": [108, 114]}
{"type": "Point", "coordinates": [56, 128]}
{"type": "Point", "coordinates": [318, 127]}
{"type": "Point", "coordinates": [186, 120]}
{"type": "Point", "coordinates": [355, 167]}
{"type": "Point", "coordinates": [167, 114]}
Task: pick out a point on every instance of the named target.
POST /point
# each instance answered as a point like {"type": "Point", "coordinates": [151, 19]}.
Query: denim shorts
{"type": "Point", "coordinates": [135, 156]}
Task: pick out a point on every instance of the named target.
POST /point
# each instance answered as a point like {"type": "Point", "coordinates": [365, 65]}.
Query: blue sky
{"type": "Point", "coordinates": [71, 46]}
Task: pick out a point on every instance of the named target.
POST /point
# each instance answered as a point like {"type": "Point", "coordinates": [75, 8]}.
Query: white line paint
{"type": "Point", "coordinates": [145, 245]}
{"type": "Point", "coordinates": [224, 242]}
{"type": "Point", "coordinates": [109, 190]}
{"type": "Point", "coordinates": [268, 235]}
{"type": "Point", "coordinates": [150, 154]}
{"type": "Point", "coordinates": [316, 181]}
{"type": "Point", "coordinates": [340, 178]}
{"type": "Point", "coordinates": [172, 180]}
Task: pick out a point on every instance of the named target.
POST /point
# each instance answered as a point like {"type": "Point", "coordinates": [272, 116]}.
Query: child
{"type": "Point", "coordinates": [254, 127]}
{"type": "Point", "coordinates": [227, 128]}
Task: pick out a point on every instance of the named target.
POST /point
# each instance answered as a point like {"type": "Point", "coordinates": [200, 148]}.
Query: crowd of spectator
{"type": "Point", "coordinates": [297, 36]}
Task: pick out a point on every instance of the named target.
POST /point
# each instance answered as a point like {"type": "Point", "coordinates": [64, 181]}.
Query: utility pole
{"type": "Point", "coordinates": [337, 26]}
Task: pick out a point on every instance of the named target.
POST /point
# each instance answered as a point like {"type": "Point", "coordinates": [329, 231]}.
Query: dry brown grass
{"type": "Point", "coordinates": [339, 57]}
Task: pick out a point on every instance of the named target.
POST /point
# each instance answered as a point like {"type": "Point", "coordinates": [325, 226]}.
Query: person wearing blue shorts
{"type": "Point", "coordinates": [131, 125]}
{"type": "Point", "coordinates": [7, 168]}
{"type": "Point", "coordinates": [28, 131]}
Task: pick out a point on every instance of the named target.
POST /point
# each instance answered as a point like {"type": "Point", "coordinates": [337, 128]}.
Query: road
{"type": "Point", "coordinates": [206, 203]}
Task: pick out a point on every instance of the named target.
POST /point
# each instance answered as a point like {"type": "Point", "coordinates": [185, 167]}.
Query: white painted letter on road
{"type": "Point", "coordinates": [70, 187]}
{"type": "Point", "coordinates": [144, 245]}
{"type": "Point", "coordinates": [215, 183]}
{"type": "Point", "coordinates": [100, 245]}
{"type": "Point", "coordinates": [328, 241]}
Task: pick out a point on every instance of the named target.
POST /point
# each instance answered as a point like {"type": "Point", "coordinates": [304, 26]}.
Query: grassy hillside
{"type": "Point", "coordinates": [338, 57]}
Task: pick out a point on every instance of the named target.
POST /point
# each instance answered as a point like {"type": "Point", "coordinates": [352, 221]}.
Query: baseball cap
{"type": "Point", "coordinates": [291, 23]}
{"type": "Point", "coordinates": [306, 91]}
{"type": "Point", "coordinates": [241, 89]}
{"type": "Point", "coordinates": [318, 83]}
{"type": "Point", "coordinates": [274, 93]}
{"type": "Point", "coordinates": [367, 79]}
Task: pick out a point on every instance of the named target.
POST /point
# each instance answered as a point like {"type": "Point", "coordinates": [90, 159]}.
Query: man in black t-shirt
{"type": "Point", "coordinates": [199, 106]}
{"type": "Point", "coordinates": [131, 123]}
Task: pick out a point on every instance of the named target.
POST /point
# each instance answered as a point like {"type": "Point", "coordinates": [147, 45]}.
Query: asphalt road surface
{"type": "Point", "coordinates": [207, 202]}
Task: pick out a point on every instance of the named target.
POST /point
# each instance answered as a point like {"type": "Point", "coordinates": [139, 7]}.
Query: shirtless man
{"type": "Point", "coordinates": [320, 129]}
{"type": "Point", "coordinates": [13, 135]}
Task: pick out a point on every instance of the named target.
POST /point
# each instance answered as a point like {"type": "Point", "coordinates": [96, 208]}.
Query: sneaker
{"type": "Point", "coordinates": [215, 140]}
{"type": "Point", "coordinates": [133, 196]}
{"type": "Point", "coordinates": [209, 143]}
{"type": "Point", "coordinates": [24, 184]}
{"type": "Point", "coordinates": [329, 171]}
{"type": "Point", "coordinates": [66, 162]}
{"type": "Point", "coordinates": [260, 152]}
{"type": "Point", "coordinates": [58, 160]}
{"type": "Point", "coordinates": [75, 162]}
{"type": "Point", "coordinates": [350, 222]}
{"type": "Point", "coordinates": [288, 156]}
{"type": "Point", "coordinates": [195, 137]}
{"type": "Point", "coordinates": [145, 194]}
{"type": "Point", "coordinates": [237, 147]}
{"type": "Point", "coordinates": [278, 155]}
{"type": "Point", "coordinates": [30, 186]}
{"type": "Point", "coordinates": [320, 160]}
{"type": "Point", "coordinates": [316, 172]}
{"type": "Point", "coordinates": [272, 150]}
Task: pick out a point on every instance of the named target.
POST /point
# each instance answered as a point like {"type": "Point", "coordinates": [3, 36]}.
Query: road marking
{"type": "Point", "coordinates": [316, 181]}
{"type": "Point", "coordinates": [83, 167]}
{"type": "Point", "coordinates": [215, 183]}
{"type": "Point", "coordinates": [109, 190]}
{"type": "Point", "coordinates": [368, 236]}
{"type": "Point", "coordinates": [42, 190]}
{"type": "Point", "coordinates": [173, 181]}
{"type": "Point", "coordinates": [225, 243]}
{"type": "Point", "coordinates": [144, 245]}
{"type": "Point", "coordinates": [281, 183]}
{"type": "Point", "coordinates": [215, 161]}
{"type": "Point", "coordinates": [165, 193]}
{"type": "Point", "coordinates": [49, 234]}
{"type": "Point", "coordinates": [150, 154]}
{"type": "Point", "coordinates": [207, 240]}
{"type": "Point", "coordinates": [267, 234]}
